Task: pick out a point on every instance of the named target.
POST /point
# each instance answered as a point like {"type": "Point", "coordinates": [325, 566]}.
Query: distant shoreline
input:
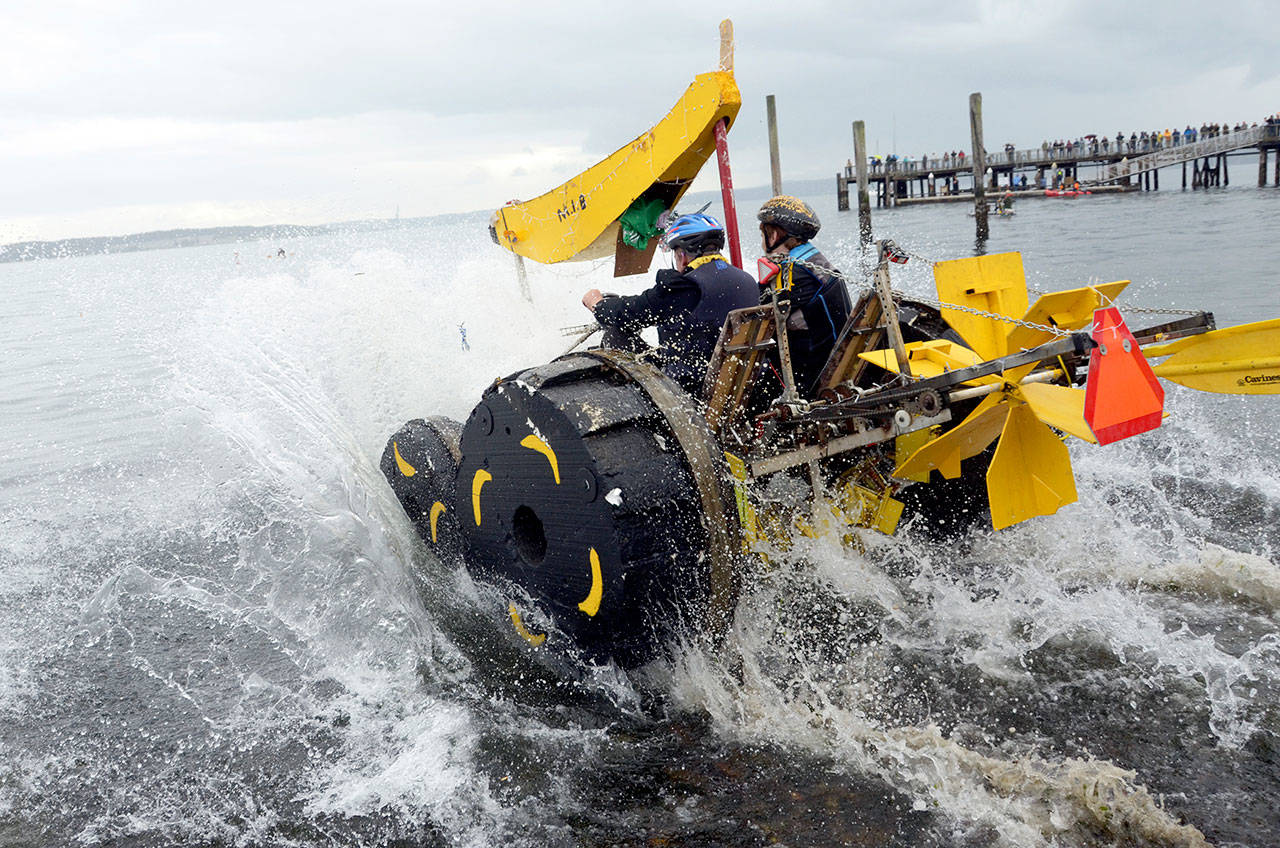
{"type": "Point", "coordinates": [26, 251]}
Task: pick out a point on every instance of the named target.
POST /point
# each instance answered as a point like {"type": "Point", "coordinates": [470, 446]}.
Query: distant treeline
{"type": "Point", "coordinates": [163, 239]}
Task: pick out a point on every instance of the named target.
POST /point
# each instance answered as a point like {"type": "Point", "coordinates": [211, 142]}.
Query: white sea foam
{"type": "Point", "coordinates": [1024, 800]}
{"type": "Point", "coordinates": [1214, 572]}
{"type": "Point", "coordinates": [204, 461]}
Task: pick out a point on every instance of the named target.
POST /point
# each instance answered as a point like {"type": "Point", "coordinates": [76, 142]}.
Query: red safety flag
{"type": "Point", "coordinates": [1122, 397]}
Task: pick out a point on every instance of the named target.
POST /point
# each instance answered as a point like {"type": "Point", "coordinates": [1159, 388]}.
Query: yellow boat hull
{"type": "Point", "coordinates": [579, 220]}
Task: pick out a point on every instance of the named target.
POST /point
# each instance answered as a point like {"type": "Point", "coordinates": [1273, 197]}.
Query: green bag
{"type": "Point", "coordinates": [640, 222]}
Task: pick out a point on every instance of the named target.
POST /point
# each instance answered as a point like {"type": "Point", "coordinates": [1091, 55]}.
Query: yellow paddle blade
{"type": "Point", "coordinates": [1030, 473]}
{"type": "Point", "coordinates": [993, 283]}
{"type": "Point", "coordinates": [1061, 407]}
{"type": "Point", "coordinates": [968, 438]}
{"type": "Point", "coordinates": [1066, 310]}
{"type": "Point", "coordinates": [886, 359]}
{"type": "Point", "coordinates": [1243, 360]}
{"type": "Point", "coordinates": [909, 443]}
{"type": "Point", "coordinates": [929, 359]}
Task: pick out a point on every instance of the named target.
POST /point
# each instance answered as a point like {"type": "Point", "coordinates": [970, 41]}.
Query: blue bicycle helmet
{"type": "Point", "coordinates": [694, 234]}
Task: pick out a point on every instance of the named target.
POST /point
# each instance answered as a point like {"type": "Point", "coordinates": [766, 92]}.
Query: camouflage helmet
{"type": "Point", "coordinates": [792, 215]}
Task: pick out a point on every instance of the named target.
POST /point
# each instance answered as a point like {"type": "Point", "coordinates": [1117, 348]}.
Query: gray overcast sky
{"type": "Point", "coordinates": [128, 116]}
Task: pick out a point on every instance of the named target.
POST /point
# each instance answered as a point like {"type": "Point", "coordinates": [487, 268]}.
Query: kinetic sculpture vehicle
{"type": "Point", "coordinates": [617, 510]}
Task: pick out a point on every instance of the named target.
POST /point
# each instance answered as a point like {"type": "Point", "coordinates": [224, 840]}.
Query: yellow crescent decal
{"type": "Point", "coordinates": [534, 639]}
{"type": "Point", "coordinates": [591, 605]}
{"type": "Point", "coordinates": [477, 482]}
{"type": "Point", "coordinates": [405, 468]}
{"type": "Point", "coordinates": [436, 509]}
{"type": "Point", "coordinates": [534, 443]}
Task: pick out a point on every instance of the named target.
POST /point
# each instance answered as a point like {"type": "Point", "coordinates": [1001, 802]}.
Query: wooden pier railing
{"type": "Point", "coordinates": [895, 182]}
{"type": "Point", "coordinates": [1083, 153]}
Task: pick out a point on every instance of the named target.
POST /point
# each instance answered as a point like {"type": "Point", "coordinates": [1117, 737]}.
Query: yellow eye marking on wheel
{"type": "Point", "coordinates": [436, 509]}
{"type": "Point", "coordinates": [405, 468]}
{"type": "Point", "coordinates": [534, 639]}
{"type": "Point", "coordinates": [534, 443]}
{"type": "Point", "coordinates": [591, 605]}
{"type": "Point", "coordinates": [477, 483]}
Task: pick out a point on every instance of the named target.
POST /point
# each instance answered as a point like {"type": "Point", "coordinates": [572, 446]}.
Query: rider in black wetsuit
{"type": "Point", "coordinates": [688, 304]}
{"type": "Point", "coordinates": [820, 303]}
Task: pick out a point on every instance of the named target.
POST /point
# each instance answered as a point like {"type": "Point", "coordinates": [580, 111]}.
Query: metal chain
{"type": "Point", "coordinates": [1150, 310]}
{"type": "Point", "coordinates": [926, 260]}
{"type": "Point", "coordinates": [1155, 310]}
{"type": "Point", "coordinates": [995, 316]}
{"type": "Point", "coordinates": [823, 269]}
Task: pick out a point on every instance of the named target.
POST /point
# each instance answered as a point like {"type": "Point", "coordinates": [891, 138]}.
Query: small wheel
{"type": "Point", "coordinates": [420, 462]}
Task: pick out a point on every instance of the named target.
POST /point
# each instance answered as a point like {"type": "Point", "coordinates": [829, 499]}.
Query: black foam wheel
{"type": "Point", "coordinates": [592, 483]}
{"type": "Point", "coordinates": [420, 462]}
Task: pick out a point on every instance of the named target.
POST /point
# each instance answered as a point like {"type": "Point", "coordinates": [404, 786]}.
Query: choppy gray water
{"type": "Point", "coordinates": [217, 627]}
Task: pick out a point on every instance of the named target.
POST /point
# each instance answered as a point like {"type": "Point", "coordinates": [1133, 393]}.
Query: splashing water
{"type": "Point", "coordinates": [221, 629]}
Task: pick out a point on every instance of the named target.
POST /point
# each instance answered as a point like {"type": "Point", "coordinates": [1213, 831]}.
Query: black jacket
{"type": "Point", "coordinates": [688, 309]}
{"type": "Point", "coordinates": [820, 306]}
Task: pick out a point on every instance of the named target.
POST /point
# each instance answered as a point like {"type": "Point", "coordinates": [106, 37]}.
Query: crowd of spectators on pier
{"type": "Point", "coordinates": [1136, 142]}
{"type": "Point", "coordinates": [954, 159]}
{"type": "Point", "coordinates": [1139, 142]}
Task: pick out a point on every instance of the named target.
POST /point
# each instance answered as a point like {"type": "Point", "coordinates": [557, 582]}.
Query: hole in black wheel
{"type": "Point", "coordinates": [531, 540]}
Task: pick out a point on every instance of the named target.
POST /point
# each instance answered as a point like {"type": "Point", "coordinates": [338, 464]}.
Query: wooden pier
{"type": "Point", "coordinates": [946, 178]}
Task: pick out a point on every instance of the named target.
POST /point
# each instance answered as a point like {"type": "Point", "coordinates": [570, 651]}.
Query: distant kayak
{"type": "Point", "coordinates": [999, 213]}
{"type": "Point", "coordinates": [1053, 192]}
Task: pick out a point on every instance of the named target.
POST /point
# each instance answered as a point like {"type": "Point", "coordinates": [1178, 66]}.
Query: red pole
{"type": "Point", "coordinates": [726, 193]}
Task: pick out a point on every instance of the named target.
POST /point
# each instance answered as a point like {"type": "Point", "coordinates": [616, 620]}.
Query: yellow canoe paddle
{"type": "Point", "coordinates": [1242, 360]}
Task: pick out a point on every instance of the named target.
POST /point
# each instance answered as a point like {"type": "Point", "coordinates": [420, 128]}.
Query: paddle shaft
{"type": "Point", "coordinates": [982, 391]}
{"type": "Point", "coordinates": [1229, 366]}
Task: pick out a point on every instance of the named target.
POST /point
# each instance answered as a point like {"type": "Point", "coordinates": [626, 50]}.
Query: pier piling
{"type": "Point", "coordinates": [979, 165]}
{"type": "Point", "coordinates": [1262, 166]}
{"type": "Point", "coordinates": [775, 165]}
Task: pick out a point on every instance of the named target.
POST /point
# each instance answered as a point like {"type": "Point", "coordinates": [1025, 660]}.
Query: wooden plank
{"type": "Point", "coordinates": [743, 340]}
{"type": "Point", "coordinates": [726, 45]}
{"type": "Point", "coordinates": [862, 332]}
{"type": "Point", "coordinates": [627, 260]}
